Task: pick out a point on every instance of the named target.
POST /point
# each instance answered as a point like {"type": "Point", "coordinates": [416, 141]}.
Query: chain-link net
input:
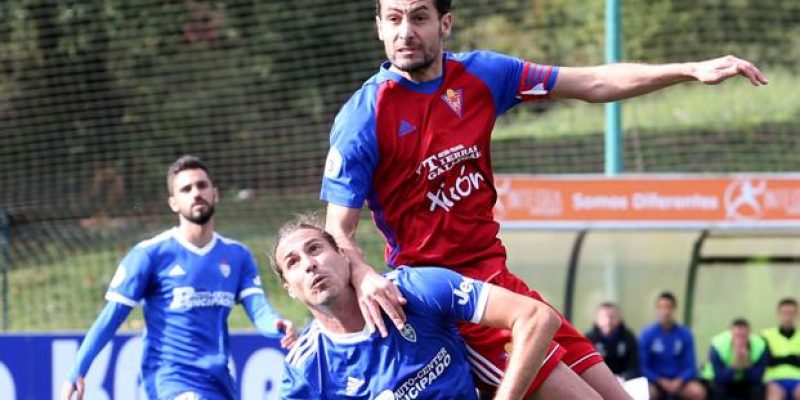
{"type": "Point", "coordinates": [98, 97]}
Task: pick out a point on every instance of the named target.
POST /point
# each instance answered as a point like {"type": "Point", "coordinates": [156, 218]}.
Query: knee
{"type": "Point", "coordinates": [654, 393]}
{"type": "Point", "coordinates": [694, 391]}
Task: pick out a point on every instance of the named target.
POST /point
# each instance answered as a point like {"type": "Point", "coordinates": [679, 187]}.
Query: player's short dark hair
{"type": "Point", "coordinates": [608, 304]}
{"type": "Point", "coordinates": [741, 323]}
{"type": "Point", "coordinates": [665, 295]}
{"type": "Point", "coordinates": [184, 163]}
{"type": "Point", "coordinates": [304, 221]}
{"type": "Point", "coordinates": [442, 7]}
{"type": "Point", "coordinates": [787, 301]}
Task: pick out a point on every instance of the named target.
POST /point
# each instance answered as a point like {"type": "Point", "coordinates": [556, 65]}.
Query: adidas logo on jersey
{"type": "Point", "coordinates": [353, 384]}
{"type": "Point", "coordinates": [177, 270]}
{"type": "Point", "coordinates": [405, 128]}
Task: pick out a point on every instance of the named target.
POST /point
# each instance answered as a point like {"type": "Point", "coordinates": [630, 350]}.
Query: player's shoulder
{"type": "Point", "coordinates": [154, 242]}
{"type": "Point", "coordinates": [232, 243]}
{"type": "Point", "coordinates": [481, 58]}
{"type": "Point", "coordinates": [306, 348]}
{"type": "Point", "coordinates": [359, 110]}
{"type": "Point", "coordinates": [424, 283]}
{"type": "Point", "coordinates": [650, 330]}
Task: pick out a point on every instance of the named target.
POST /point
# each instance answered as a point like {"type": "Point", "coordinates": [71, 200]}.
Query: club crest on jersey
{"type": "Point", "coordinates": [225, 268]}
{"type": "Point", "coordinates": [455, 99]}
{"type": "Point", "coordinates": [409, 333]}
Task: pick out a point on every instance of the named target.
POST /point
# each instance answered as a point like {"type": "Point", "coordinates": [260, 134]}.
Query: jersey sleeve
{"type": "Point", "coordinates": [131, 279]}
{"type": "Point", "coordinates": [249, 280]}
{"type": "Point", "coordinates": [444, 292]}
{"type": "Point", "coordinates": [353, 154]}
{"type": "Point", "coordinates": [511, 80]}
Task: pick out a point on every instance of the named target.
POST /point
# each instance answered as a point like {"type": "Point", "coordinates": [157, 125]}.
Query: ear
{"type": "Point", "coordinates": [447, 24]}
{"type": "Point", "coordinates": [378, 27]}
{"type": "Point", "coordinates": [173, 203]}
{"type": "Point", "coordinates": [289, 290]}
{"type": "Point", "coordinates": [216, 195]}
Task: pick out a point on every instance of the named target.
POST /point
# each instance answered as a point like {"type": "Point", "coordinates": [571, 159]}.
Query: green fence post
{"type": "Point", "coordinates": [5, 262]}
{"type": "Point", "coordinates": [613, 142]}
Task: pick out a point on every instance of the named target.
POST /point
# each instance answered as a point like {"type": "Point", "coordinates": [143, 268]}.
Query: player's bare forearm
{"type": "Point", "coordinates": [613, 82]}
{"type": "Point", "coordinates": [532, 334]}
{"type": "Point", "coordinates": [533, 325]}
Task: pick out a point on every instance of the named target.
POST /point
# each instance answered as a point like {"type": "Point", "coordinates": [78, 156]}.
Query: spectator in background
{"type": "Point", "coordinates": [783, 370]}
{"type": "Point", "coordinates": [666, 355]}
{"type": "Point", "coordinates": [736, 363]}
{"type": "Point", "coordinates": [615, 342]}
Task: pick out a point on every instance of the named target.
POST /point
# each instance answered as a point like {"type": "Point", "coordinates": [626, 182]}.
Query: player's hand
{"type": "Point", "coordinates": [68, 389]}
{"type": "Point", "coordinates": [375, 293]}
{"type": "Point", "coordinates": [714, 71]}
{"type": "Point", "coordinates": [290, 333]}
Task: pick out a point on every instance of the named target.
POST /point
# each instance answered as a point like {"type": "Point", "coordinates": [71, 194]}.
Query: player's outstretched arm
{"type": "Point", "coordinates": [533, 325]}
{"type": "Point", "coordinates": [103, 329]}
{"type": "Point", "coordinates": [613, 82]}
{"type": "Point", "coordinates": [374, 291]}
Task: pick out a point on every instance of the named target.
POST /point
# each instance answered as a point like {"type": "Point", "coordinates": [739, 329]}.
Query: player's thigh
{"type": "Point", "coordinates": [602, 380]}
{"type": "Point", "coordinates": [580, 353]}
{"type": "Point", "coordinates": [564, 384]}
{"type": "Point", "coordinates": [796, 391]}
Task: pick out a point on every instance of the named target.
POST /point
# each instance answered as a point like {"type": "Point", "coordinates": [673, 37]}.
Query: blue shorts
{"type": "Point", "coordinates": [788, 385]}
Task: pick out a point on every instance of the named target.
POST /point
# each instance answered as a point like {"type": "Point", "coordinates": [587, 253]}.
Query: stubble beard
{"type": "Point", "coordinates": [201, 218]}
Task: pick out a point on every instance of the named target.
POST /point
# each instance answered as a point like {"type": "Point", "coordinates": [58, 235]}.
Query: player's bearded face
{"type": "Point", "coordinates": [200, 212]}
{"type": "Point", "coordinates": [194, 196]}
{"type": "Point", "coordinates": [412, 33]}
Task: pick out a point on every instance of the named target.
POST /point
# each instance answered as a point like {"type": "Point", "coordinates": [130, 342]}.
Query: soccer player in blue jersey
{"type": "Point", "coordinates": [188, 278]}
{"type": "Point", "coordinates": [338, 356]}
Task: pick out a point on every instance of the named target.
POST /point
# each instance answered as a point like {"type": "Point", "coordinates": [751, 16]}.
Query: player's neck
{"type": "Point", "coordinates": [198, 235]}
{"type": "Point", "coordinates": [340, 317]}
{"type": "Point", "coordinates": [433, 71]}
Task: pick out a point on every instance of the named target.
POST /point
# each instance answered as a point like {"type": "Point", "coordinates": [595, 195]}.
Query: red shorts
{"type": "Point", "coordinates": [488, 347]}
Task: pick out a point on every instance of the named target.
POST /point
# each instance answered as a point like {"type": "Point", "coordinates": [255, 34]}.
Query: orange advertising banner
{"type": "Point", "coordinates": [649, 201]}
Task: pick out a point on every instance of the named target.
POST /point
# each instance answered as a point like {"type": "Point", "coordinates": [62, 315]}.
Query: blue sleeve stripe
{"type": "Point", "coordinates": [480, 305]}
{"type": "Point", "coordinates": [551, 83]}
{"type": "Point", "coordinates": [250, 292]}
{"type": "Point", "coordinates": [118, 298]}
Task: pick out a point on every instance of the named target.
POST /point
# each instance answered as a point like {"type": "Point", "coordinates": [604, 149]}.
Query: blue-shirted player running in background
{"type": "Point", "coordinates": [339, 357]}
{"type": "Point", "coordinates": [188, 278]}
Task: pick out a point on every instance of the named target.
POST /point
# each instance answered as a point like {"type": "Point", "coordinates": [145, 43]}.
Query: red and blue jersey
{"type": "Point", "coordinates": [419, 155]}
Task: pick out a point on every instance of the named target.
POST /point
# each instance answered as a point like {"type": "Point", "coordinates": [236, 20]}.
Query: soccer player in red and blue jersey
{"type": "Point", "coordinates": [413, 143]}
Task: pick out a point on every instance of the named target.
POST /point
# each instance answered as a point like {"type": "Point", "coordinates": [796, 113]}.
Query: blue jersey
{"type": "Point", "coordinates": [425, 360]}
{"type": "Point", "coordinates": [667, 354]}
{"type": "Point", "coordinates": [188, 293]}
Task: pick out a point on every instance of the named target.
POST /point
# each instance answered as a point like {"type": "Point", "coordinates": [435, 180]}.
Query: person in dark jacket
{"type": "Point", "coordinates": [615, 342]}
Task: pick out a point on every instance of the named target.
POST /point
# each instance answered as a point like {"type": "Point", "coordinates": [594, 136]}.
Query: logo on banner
{"type": "Point", "coordinates": [744, 199]}
{"type": "Point", "coordinates": [454, 98]}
